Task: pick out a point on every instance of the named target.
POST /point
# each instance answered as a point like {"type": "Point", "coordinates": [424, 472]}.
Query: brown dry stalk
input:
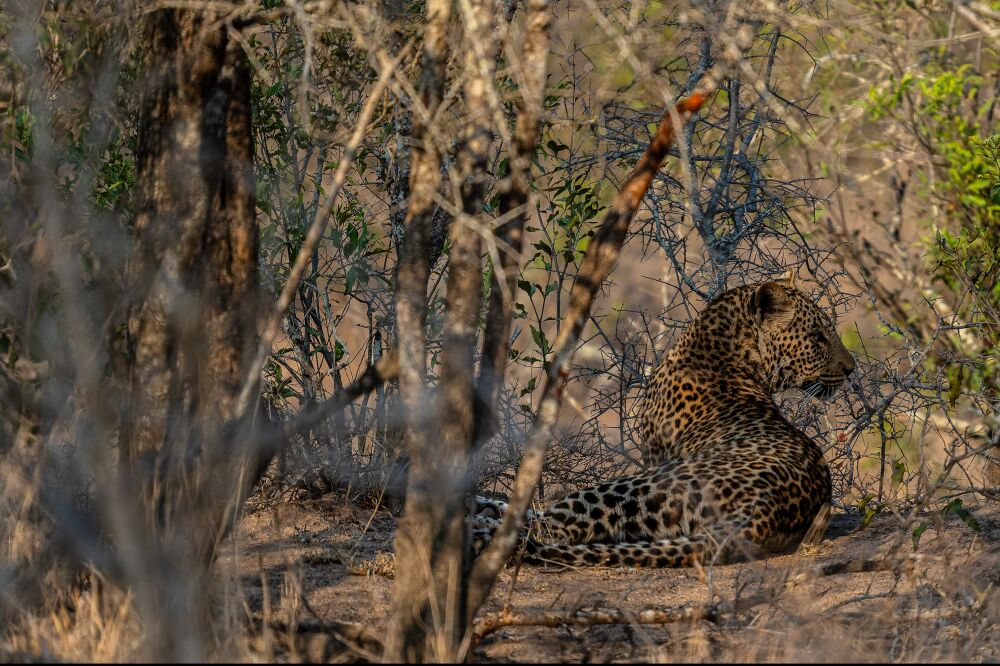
{"type": "Point", "coordinates": [610, 237]}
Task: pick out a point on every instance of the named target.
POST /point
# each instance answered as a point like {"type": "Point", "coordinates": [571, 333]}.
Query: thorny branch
{"type": "Point", "coordinates": [597, 264]}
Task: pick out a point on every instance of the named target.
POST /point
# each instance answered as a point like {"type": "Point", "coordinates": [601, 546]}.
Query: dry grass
{"type": "Point", "coordinates": [98, 624]}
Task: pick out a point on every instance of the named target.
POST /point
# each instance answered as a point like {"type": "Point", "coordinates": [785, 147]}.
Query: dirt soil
{"type": "Point", "coordinates": [323, 561]}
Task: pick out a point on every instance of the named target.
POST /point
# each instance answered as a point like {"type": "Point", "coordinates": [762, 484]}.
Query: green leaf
{"type": "Point", "coordinates": [350, 280]}
{"type": "Point", "coordinates": [955, 381]}
{"type": "Point", "coordinates": [917, 531]}
{"type": "Point", "coordinates": [958, 508]}
{"type": "Point", "coordinates": [898, 470]}
{"type": "Point", "coordinates": [870, 512]}
{"type": "Point", "coordinates": [540, 340]}
{"type": "Point", "coordinates": [556, 147]}
{"type": "Point", "coordinates": [869, 509]}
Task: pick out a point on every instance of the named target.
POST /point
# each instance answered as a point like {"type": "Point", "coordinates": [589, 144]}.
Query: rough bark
{"type": "Point", "coordinates": [192, 322]}
{"type": "Point", "coordinates": [408, 626]}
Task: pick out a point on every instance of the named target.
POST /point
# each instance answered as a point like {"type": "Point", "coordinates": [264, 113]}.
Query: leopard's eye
{"type": "Point", "coordinates": [821, 337]}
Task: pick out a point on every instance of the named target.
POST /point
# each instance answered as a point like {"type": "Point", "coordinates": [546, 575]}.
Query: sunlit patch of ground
{"type": "Point", "coordinates": [326, 560]}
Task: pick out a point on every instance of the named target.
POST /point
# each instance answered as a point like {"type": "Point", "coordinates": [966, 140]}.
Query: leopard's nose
{"type": "Point", "coordinates": [848, 363]}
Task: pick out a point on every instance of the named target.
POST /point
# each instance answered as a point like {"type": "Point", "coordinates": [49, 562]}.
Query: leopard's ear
{"type": "Point", "coordinates": [771, 299]}
{"type": "Point", "coordinates": [788, 278]}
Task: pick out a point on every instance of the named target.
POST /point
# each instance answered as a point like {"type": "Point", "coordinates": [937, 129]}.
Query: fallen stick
{"type": "Point", "coordinates": [492, 622]}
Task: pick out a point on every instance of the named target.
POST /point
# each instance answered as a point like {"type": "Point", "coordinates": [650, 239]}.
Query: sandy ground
{"type": "Point", "coordinates": [325, 560]}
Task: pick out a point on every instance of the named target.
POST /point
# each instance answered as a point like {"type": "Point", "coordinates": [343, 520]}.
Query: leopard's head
{"type": "Point", "coordinates": [797, 341]}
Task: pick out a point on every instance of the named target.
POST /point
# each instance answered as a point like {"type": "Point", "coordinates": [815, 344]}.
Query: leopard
{"type": "Point", "coordinates": [727, 477]}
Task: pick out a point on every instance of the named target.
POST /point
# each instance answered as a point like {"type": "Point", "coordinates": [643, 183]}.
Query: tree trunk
{"type": "Point", "coordinates": [192, 326]}
{"type": "Point", "coordinates": [410, 621]}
